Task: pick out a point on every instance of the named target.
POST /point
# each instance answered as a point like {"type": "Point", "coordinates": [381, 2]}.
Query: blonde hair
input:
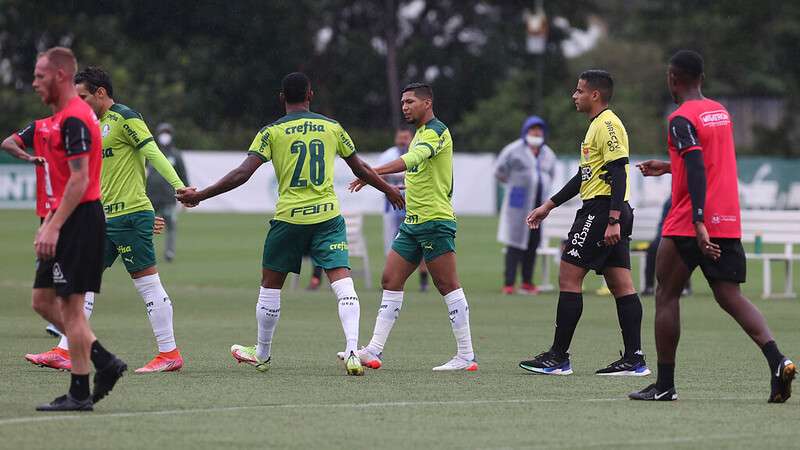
{"type": "Point", "coordinates": [61, 58]}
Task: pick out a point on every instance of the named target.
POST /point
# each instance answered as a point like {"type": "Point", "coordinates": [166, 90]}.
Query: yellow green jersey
{"type": "Point", "coordinates": [606, 140]}
{"type": "Point", "coordinates": [429, 174]}
{"type": "Point", "coordinates": [127, 144]}
{"type": "Point", "coordinates": [302, 147]}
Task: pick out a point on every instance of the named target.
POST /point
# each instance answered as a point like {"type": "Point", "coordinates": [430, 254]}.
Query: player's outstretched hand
{"type": "Point", "coordinates": [709, 249]}
{"type": "Point", "coordinates": [536, 217]}
{"type": "Point", "coordinates": [396, 198]}
{"type": "Point", "coordinates": [653, 168]}
{"type": "Point", "coordinates": [188, 196]}
{"type": "Point", "coordinates": [356, 185]}
{"type": "Point", "coordinates": [158, 225]}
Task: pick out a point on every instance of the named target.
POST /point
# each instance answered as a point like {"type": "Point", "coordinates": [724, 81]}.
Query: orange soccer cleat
{"type": "Point", "coordinates": [163, 362]}
{"type": "Point", "coordinates": [57, 358]}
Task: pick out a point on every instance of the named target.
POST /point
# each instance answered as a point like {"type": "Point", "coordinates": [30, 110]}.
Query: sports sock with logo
{"type": "Point", "coordinates": [159, 310]}
{"type": "Point", "coordinates": [773, 355]}
{"type": "Point", "coordinates": [100, 356]}
{"type": "Point", "coordinates": [458, 310]}
{"type": "Point", "coordinates": [391, 303]}
{"type": "Point", "coordinates": [88, 307]}
{"type": "Point", "coordinates": [268, 312]}
{"type": "Point", "coordinates": [568, 313]}
{"type": "Point", "coordinates": [666, 376]}
{"type": "Point", "coordinates": [349, 312]}
{"type": "Point", "coordinates": [629, 314]}
{"type": "Point", "coordinates": [79, 386]}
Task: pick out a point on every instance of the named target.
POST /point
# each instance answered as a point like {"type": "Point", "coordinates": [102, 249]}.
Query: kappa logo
{"type": "Point", "coordinates": [574, 253]}
{"type": "Point", "coordinates": [58, 274]}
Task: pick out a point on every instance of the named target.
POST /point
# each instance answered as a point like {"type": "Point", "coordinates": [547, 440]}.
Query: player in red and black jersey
{"type": "Point", "coordinates": [69, 243]}
{"type": "Point", "coordinates": [703, 233]}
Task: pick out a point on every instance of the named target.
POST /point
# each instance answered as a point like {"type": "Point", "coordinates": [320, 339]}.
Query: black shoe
{"type": "Point", "coordinates": [782, 382]}
{"type": "Point", "coordinates": [67, 403]}
{"type": "Point", "coordinates": [631, 366]}
{"type": "Point", "coordinates": [652, 393]}
{"type": "Point", "coordinates": [104, 380]}
{"type": "Point", "coordinates": [548, 363]}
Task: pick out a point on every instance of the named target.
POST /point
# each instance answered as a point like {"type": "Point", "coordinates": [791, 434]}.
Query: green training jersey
{"type": "Point", "coordinates": [302, 147]}
{"type": "Point", "coordinates": [127, 143]}
{"type": "Point", "coordinates": [429, 174]}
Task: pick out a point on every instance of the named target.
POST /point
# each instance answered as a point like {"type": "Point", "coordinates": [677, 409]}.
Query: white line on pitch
{"type": "Point", "coordinates": [84, 416]}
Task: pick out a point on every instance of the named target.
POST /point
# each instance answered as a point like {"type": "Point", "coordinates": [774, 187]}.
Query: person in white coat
{"type": "Point", "coordinates": [525, 167]}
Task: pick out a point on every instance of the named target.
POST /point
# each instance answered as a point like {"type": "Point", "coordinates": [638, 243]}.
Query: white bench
{"type": "Point", "coordinates": [774, 227]}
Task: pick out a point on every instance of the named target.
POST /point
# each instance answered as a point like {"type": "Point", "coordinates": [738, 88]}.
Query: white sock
{"type": "Point", "coordinates": [159, 310]}
{"type": "Point", "coordinates": [391, 302]}
{"type": "Point", "coordinates": [268, 311]}
{"type": "Point", "coordinates": [458, 309]}
{"type": "Point", "coordinates": [349, 312]}
{"type": "Point", "coordinates": [88, 307]}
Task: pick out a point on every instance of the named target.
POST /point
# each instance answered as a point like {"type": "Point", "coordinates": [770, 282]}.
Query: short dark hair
{"type": "Point", "coordinates": [687, 65]}
{"type": "Point", "coordinates": [295, 86]}
{"type": "Point", "coordinates": [420, 90]}
{"type": "Point", "coordinates": [94, 78]}
{"type": "Point", "coordinates": [601, 81]}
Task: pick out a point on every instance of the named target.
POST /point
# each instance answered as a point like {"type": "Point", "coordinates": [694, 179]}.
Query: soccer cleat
{"type": "Point", "coordinates": [171, 361]}
{"type": "Point", "coordinates": [508, 290]}
{"type": "Point", "coordinates": [247, 355]}
{"type": "Point", "coordinates": [56, 358]}
{"type": "Point", "coordinates": [528, 289]}
{"type": "Point", "coordinates": [654, 394]}
{"type": "Point", "coordinates": [368, 359]}
{"type": "Point", "coordinates": [782, 381]}
{"type": "Point", "coordinates": [548, 363]}
{"type": "Point", "coordinates": [353, 365]}
{"type": "Point", "coordinates": [629, 366]}
{"type": "Point", "coordinates": [52, 330]}
{"type": "Point", "coordinates": [67, 403]}
{"type": "Point", "coordinates": [105, 379]}
{"type": "Point", "coordinates": [458, 363]}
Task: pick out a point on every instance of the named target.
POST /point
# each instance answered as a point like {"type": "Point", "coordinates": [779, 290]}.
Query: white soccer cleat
{"type": "Point", "coordinates": [457, 363]}
{"type": "Point", "coordinates": [368, 359]}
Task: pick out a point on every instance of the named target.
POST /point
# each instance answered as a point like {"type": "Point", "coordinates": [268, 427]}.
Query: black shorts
{"type": "Point", "coordinates": [731, 265]}
{"type": "Point", "coordinates": [584, 245]}
{"type": "Point", "coordinates": [78, 264]}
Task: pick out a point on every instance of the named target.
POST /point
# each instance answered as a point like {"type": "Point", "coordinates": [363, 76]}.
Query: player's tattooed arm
{"type": "Point", "coordinates": [12, 146]}
{"type": "Point", "coordinates": [190, 196]}
{"type": "Point", "coordinates": [47, 237]}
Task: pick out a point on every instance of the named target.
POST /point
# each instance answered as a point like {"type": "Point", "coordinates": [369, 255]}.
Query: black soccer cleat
{"type": "Point", "coordinates": [781, 381]}
{"type": "Point", "coordinates": [548, 363]}
{"type": "Point", "coordinates": [653, 393]}
{"type": "Point", "coordinates": [67, 403]}
{"type": "Point", "coordinates": [104, 380]}
{"type": "Point", "coordinates": [628, 366]}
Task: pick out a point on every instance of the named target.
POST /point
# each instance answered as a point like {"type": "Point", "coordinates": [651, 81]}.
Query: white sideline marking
{"type": "Point", "coordinates": [50, 417]}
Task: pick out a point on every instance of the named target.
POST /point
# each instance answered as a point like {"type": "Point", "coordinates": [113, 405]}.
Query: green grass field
{"type": "Point", "coordinates": [306, 401]}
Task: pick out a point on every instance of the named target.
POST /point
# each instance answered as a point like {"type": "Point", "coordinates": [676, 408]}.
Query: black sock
{"type": "Point", "coordinates": [79, 387]}
{"type": "Point", "coordinates": [423, 279]}
{"type": "Point", "coordinates": [570, 307]}
{"type": "Point", "coordinates": [100, 356]}
{"type": "Point", "coordinates": [773, 355]}
{"type": "Point", "coordinates": [666, 376]}
{"type": "Point", "coordinates": [629, 313]}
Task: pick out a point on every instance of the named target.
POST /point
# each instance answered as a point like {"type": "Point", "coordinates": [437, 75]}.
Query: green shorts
{"type": "Point", "coordinates": [428, 239]}
{"type": "Point", "coordinates": [131, 237]}
{"type": "Point", "coordinates": [287, 243]}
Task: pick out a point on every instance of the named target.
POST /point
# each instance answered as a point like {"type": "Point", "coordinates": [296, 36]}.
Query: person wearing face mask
{"type": "Point", "coordinates": [160, 192]}
{"type": "Point", "coordinates": [525, 167]}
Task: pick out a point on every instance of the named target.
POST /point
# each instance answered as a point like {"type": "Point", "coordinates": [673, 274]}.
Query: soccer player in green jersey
{"type": "Point", "coordinates": [428, 231]}
{"type": "Point", "coordinates": [127, 144]}
{"type": "Point", "coordinates": [302, 146]}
